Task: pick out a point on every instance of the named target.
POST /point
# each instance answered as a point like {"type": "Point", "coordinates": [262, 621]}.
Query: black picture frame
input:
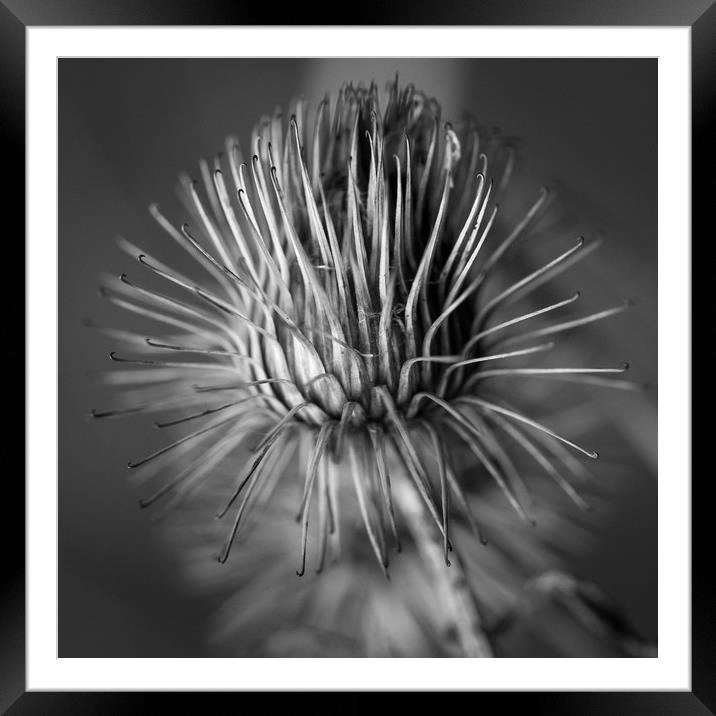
{"type": "Point", "coordinates": [17, 15]}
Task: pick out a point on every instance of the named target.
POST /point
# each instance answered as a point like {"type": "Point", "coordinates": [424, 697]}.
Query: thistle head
{"type": "Point", "coordinates": [354, 311]}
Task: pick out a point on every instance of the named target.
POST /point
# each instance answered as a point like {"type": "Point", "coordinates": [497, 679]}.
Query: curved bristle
{"type": "Point", "coordinates": [349, 273]}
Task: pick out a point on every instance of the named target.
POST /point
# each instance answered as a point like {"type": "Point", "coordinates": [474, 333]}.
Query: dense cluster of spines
{"type": "Point", "coordinates": [344, 301]}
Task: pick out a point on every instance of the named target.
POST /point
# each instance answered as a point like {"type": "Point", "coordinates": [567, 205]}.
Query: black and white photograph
{"type": "Point", "coordinates": [357, 357]}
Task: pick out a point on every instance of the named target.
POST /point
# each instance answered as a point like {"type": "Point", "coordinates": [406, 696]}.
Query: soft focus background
{"type": "Point", "coordinates": [128, 127]}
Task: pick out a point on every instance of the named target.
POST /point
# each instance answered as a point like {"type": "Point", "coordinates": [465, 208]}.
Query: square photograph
{"type": "Point", "coordinates": [357, 357]}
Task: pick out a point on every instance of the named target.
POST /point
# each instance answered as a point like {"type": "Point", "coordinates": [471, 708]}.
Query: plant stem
{"type": "Point", "coordinates": [450, 583]}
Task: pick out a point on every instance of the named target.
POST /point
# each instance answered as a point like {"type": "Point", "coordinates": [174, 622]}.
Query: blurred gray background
{"type": "Point", "coordinates": [128, 127]}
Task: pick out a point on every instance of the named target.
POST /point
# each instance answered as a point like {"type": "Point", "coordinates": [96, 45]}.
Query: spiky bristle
{"type": "Point", "coordinates": [348, 283]}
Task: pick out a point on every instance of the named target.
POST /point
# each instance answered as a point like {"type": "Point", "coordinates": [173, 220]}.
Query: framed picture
{"type": "Point", "coordinates": [390, 389]}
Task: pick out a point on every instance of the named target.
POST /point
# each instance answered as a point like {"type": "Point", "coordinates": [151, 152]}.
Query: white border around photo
{"type": "Point", "coordinates": [671, 670]}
